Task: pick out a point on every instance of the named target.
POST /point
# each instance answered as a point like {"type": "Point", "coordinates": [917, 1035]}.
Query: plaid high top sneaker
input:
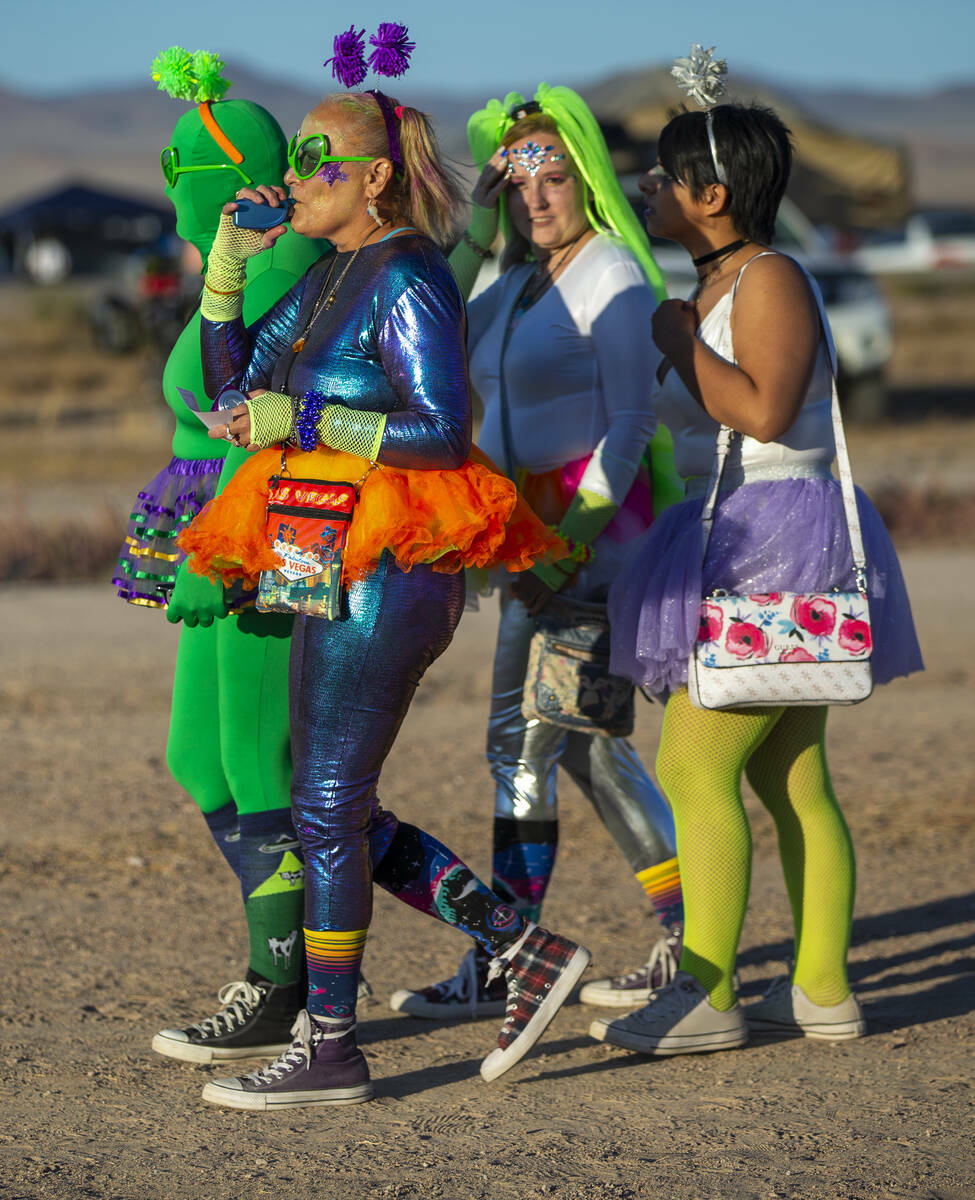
{"type": "Point", "coordinates": [540, 971]}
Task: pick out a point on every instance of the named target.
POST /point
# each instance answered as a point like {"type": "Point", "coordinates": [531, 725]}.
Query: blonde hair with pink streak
{"type": "Point", "coordinates": [427, 193]}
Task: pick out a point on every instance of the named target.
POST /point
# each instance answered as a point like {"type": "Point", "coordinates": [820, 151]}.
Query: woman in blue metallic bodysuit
{"type": "Point", "coordinates": [365, 356]}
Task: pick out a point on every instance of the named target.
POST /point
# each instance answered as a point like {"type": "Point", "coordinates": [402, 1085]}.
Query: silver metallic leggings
{"type": "Point", "coordinates": [523, 755]}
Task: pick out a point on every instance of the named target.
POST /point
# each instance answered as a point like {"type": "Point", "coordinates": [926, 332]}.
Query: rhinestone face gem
{"type": "Point", "coordinates": [532, 157]}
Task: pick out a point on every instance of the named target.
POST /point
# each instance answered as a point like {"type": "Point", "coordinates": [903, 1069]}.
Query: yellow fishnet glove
{"type": "Point", "coordinates": [355, 432]}
{"type": "Point", "coordinates": [272, 418]}
{"type": "Point", "coordinates": [223, 285]}
{"type": "Point", "coordinates": [586, 517]}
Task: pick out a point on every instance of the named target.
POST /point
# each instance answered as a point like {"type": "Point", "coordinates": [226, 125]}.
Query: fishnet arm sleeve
{"type": "Point", "coordinates": [351, 430]}
{"type": "Point", "coordinates": [226, 273]}
{"type": "Point", "coordinates": [272, 417]}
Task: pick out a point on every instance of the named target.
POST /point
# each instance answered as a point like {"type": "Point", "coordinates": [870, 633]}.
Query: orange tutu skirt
{"type": "Point", "coordinates": [470, 517]}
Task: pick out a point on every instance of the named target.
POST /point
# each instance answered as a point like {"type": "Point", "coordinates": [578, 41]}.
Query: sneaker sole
{"type": "Point", "coordinates": [189, 1052]}
{"type": "Point", "coordinates": [847, 1031]}
{"type": "Point", "coordinates": [263, 1101]}
{"type": "Point", "coordinates": [600, 994]}
{"type": "Point", "coordinates": [669, 1044]}
{"type": "Point", "coordinates": [414, 1005]}
{"type": "Point", "coordinates": [499, 1061]}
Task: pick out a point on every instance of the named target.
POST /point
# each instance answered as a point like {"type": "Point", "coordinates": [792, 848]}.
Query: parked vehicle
{"type": "Point", "coordinates": [148, 304]}
{"type": "Point", "coordinates": [929, 241]}
{"type": "Point", "coordinates": [858, 313]}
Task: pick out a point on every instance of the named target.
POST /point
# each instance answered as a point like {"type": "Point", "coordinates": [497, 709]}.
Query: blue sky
{"type": "Point", "coordinates": [898, 44]}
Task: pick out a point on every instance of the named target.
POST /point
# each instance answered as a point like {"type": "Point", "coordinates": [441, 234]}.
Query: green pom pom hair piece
{"type": "Point", "coordinates": [195, 77]}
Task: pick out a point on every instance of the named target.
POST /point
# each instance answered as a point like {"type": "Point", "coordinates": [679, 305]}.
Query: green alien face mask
{"type": "Point", "coordinates": [198, 195]}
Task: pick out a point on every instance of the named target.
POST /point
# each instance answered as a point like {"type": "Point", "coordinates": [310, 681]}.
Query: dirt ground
{"type": "Point", "coordinates": [119, 917]}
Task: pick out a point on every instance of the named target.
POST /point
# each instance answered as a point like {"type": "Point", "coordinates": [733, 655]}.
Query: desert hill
{"type": "Point", "coordinates": [112, 137]}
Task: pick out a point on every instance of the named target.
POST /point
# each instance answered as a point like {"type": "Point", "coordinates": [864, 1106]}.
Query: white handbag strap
{"type": "Point", "coordinates": [723, 445]}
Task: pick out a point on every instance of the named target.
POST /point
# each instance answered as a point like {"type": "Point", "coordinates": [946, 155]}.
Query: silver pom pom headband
{"type": "Point", "coordinates": [701, 76]}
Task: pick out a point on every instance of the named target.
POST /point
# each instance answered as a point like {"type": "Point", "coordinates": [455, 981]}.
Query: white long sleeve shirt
{"type": "Point", "coordinates": [579, 368]}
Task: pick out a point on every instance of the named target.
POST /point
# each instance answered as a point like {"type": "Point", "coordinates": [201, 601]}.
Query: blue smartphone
{"type": "Point", "coordinates": [251, 215]}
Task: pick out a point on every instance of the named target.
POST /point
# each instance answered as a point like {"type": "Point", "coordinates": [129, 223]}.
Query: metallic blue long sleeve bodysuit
{"type": "Point", "coordinates": [393, 342]}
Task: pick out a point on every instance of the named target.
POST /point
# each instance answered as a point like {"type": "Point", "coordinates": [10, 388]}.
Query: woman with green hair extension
{"type": "Point", "coordinates": [561, 356]}
{"type": "Point", "coordinates": [605, 205]}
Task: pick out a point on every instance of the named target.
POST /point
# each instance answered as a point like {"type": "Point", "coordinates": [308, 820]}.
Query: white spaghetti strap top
{"type": "Point", "coordinates": [805, 450]}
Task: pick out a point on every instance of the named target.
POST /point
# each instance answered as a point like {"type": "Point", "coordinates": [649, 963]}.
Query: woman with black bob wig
{"type": "Point", "coordinates": [758, 157]}
{"type": "Point", "coordinates": [751, 350]}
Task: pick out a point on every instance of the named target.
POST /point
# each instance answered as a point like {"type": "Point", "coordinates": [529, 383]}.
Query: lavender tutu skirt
{"type": "Point", "coordinates": [786, 535]}
{"type": "Point", "coordinates": [149, 559]}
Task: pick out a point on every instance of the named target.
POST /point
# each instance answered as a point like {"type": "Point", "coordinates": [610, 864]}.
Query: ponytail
{"type": "Point", "coordinates": [424, 192]}
{"type": "Point", "coordinates": [431, 192]}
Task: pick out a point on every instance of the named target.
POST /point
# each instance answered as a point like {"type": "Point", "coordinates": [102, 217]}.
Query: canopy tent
{"type": "Point", "coordinates": [96, 228]}
{"type": "Point", "coordinates": [839, 178]}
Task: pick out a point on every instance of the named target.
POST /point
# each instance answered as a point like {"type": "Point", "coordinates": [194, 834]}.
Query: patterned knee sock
{"type": "Point", "coordinates": [662, 885]}
{"type": "Point", "coordinates": [524, 856]}
{"type": "Point", "coordinates": [222, 823]}
{"type": "Point", "coordinates": [426, 875]}
{"type": "Point", "coordinates": [272, 877]}
{"type": "Point", "coordinates": [334, 958]}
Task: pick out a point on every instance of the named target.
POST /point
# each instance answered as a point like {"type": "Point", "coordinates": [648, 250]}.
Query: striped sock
{"type": "Point", "coordinates": [524, 856]}
{"type": "Point", "coordinates": [662, 885]}
{"type": "Point", "coordinates": [334, 958]}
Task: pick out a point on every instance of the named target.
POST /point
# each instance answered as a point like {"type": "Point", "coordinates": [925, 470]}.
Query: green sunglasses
{"type": "Point", "coordinates": [169, 161]}
{"type": "Point", "coordinates": [312, 152]}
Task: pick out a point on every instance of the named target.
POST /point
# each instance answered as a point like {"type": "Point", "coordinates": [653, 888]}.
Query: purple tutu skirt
{"type": "Point", "coordinates": [787, 535]}
{"type": "Point", "coordinates": [149, 559]}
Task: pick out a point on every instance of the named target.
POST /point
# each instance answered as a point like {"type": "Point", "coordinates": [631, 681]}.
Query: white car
{"type": "Point", "coordinates": [929, 241]}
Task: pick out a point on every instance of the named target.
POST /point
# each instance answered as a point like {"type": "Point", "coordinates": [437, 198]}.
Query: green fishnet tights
{"type": "Point", "coordinates": [700, 763]}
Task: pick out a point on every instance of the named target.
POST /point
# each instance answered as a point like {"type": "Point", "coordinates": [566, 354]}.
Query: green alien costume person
{"type": "Point", "coordinates": [228, 739]}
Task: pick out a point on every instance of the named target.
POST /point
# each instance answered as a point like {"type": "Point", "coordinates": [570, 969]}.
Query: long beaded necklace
{"type": "Point", "coordinates": [323, 302]}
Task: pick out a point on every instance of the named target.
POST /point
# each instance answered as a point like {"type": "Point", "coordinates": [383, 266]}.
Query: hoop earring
{"type": "Point", "coordinates": [373, 212]}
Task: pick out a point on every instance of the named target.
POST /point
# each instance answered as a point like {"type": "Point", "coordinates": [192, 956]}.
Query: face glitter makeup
{"type": "Point", "coordinates": [332, 173]}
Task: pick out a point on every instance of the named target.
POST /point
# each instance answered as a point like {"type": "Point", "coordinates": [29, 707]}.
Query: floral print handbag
{"type": "Point", "coordinates": [781, 648]}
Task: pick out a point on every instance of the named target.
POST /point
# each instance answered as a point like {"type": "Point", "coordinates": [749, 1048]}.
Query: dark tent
{"type": "Point", "coordinates": [99, 229]}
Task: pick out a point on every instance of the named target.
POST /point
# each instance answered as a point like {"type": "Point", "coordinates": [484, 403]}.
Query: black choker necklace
{"type": "Point", "coordinates": [729, 249]}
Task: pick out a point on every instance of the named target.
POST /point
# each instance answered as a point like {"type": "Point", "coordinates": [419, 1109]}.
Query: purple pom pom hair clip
{"type": "Point", "coordinates": [348, 59]}
{"type": "Point", "coordinates": [391, 56]}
